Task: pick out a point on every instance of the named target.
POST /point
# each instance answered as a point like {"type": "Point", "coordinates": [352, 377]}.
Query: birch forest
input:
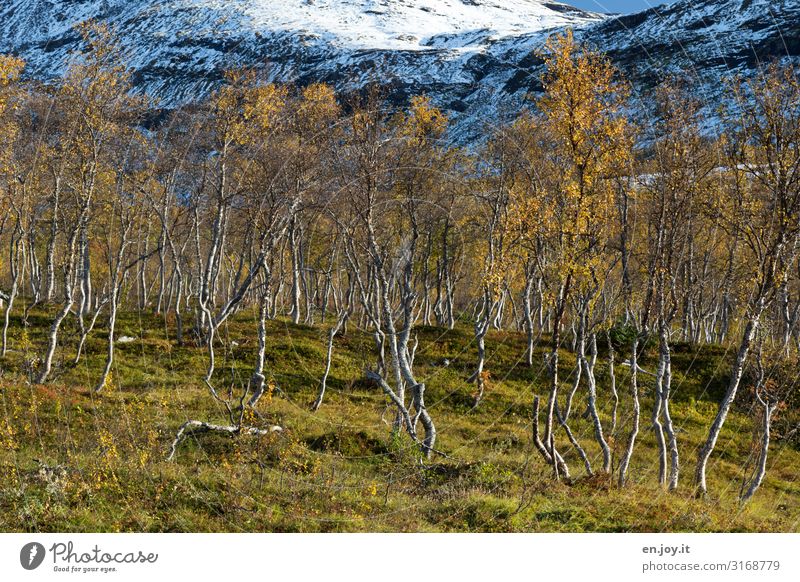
{"type": "Point", "coordinates": [285, 308]}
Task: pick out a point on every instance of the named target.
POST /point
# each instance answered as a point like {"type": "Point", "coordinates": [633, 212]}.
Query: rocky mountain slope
{"type": "Point", "coordinates": [476, 58]}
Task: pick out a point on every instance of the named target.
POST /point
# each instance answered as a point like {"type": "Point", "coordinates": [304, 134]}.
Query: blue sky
{"type": "Point", "coordinates": [622, 6]}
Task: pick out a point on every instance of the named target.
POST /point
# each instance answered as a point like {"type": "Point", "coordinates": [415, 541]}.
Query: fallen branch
{"type": "Point", "coordinates": [196, 426]}
{"type": "Point", "coordinates": [627, 363]}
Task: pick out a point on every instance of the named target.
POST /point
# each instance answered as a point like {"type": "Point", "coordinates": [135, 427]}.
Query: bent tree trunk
{"type": "Point", "coordinates": [598, 426]}
{"type": "Point", "coordinates": [768, 408]}
{"type": "Point", "coordinates": [482, 323]}
{"type": "Point", "coordinates": [540, 446]}
{"type": "Point", "coordinates": [396, 400]}
{"type": "Point", "coordinates": [117, 277]}
{"type": "Point", "coordinates": [324, 382]}
{"type": "Point", "coordinates": [724, 407]}
{"type": "Point", "coordinates": [422, 415]}
{"type": "Point", "coordinates": [563, 418]}
{"type": "Point", "coordinates": [69, 301]}
{"type": "Point", "coordinates": [52, 340]}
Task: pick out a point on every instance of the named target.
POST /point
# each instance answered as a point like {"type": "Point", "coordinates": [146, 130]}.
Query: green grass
{"type": "Point", "coordinates": [340, 469]}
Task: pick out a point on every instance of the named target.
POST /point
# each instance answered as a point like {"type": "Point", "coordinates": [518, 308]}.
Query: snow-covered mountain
{"type": "Point", "coordinates": [408, 24]}
{"type": "Point", "coordinates": [476, 58]}
{"type": "Point", "coordinates": [704, 40]}
{"type": "Point", "coordinates": [353, 24]}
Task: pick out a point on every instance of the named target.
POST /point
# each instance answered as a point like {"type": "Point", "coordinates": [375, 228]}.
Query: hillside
{"type": "Point", "coordinates": [476, 58]}
{"type": "Point", "coordinates": [88, 461]}
{"type": "Point", "coordinates": [285, 307]}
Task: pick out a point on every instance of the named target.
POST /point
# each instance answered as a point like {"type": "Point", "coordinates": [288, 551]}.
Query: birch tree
{"type": "Point", "coordinates": [766, 138]}
{"type": "Point", "coordinates": [589, 141]}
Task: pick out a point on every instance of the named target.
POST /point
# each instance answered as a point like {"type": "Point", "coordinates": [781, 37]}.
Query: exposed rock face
{"type": "Point", "coordinates": [476, 58]}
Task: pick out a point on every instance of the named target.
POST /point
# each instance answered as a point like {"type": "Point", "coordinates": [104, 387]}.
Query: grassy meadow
{"type": "Point", "coordinates": [75, 460]}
